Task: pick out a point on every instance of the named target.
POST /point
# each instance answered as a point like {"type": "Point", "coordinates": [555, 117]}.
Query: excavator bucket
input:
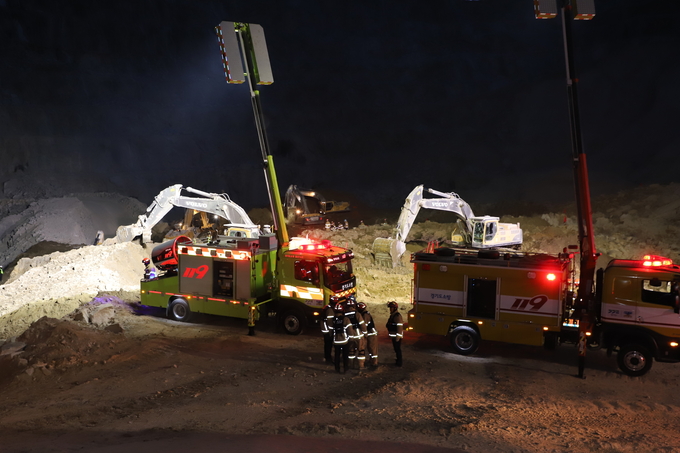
{"type": "Point", "coordinates": [388, 251]}
{"type": "Point", "coordinates": [126, 233]}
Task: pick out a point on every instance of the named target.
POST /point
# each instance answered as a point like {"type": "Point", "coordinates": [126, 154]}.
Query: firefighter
{"type": "Point", "coordinates": [342, 330]}
{"type": "Point", "coordinates": [327, 330]}
{"type": "Point", "coordinates": [395, 328]}
{"type": "Point", "coordinates": [371, 335]}
{"type": "Point", "coordinates": [357, 343]}
{"type": "Point", "coordinates": [149, 271]}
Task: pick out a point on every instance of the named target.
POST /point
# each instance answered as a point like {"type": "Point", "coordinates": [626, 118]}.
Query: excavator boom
{"type": "Point", "coordinates": [171, 197]}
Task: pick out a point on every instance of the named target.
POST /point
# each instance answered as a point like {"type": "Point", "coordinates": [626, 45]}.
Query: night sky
{"type": "Point", "coordinates": [370, 98]}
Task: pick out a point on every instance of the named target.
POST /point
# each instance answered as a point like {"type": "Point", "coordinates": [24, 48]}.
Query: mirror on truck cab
{"type": "Point", "coordinates": [675, 291]}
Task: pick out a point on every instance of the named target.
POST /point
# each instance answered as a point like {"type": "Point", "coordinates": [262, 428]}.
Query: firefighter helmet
{"type": "Point", "coordinates": [361, 306]}
{"type": "Point", "coordinates": [146, 261]}
{"type": "Point", "coordinates": [339, 307]}
{"type": "Point", "coordinates": [392, 304]}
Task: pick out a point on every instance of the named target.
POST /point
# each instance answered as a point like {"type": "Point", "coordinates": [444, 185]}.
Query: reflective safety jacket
{"type": "Point", "coordinates": [358, 323]}
{"type": "Point", "coordinates": [395, 325]}
{"type": "Point", "coordinates": [343, 329]}
{"type": "Point", "coordinates": [370, 324]}
{"type": "Point", "coordinates": [327, 320]}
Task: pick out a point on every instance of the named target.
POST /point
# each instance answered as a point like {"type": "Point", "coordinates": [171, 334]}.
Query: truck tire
{"type": "Point", "coordinates": [634, 360]}
{"type": "Point", "coordinates": [179, 310]}
{"type": "Point", "coordinates": [293, 322]}
{"type": "Point", "coordinates": [465, 340]}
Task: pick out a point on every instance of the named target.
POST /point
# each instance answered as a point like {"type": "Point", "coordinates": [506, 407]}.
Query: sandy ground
{"type": "Point", "coordinates": [119, 375]}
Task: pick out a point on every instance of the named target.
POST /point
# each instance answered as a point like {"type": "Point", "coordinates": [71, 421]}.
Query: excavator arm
{"type": "Point", "coordinates": [171, 197]}
{"type": "Point", "coordinates": [448, 201]}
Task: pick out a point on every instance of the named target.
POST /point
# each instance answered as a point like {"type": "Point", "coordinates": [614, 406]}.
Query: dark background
{"type": "Point", "coordinates": [370, 99]}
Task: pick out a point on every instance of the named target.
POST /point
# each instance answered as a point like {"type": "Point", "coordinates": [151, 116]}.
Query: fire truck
{"type": "Point", "coordinates": [248, 278]}
{"type": "Point", "coordinates": [524, 298]}
{"type": "Point", "coordinates": [292, 278]}
{"type": "Point", "coordinates": [630, 306]}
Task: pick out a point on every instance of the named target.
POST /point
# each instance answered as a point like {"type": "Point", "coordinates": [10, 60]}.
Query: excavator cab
{"type": "Point", "coordinates": [484, 230]}
{"type": "Point", "coordinates": [487, 232]}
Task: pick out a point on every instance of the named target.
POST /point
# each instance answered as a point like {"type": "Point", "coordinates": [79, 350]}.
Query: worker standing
{"type": "Point", "coordinates": [371, 335]}
{"type": "Point", "coordinates": [357, 342]}
{"type": "Point", "coordinates": [343, 330]}
{"type": "Point", "coordinates": [395, 328]}
{"type": "Point", "coordinates": [328, 332]}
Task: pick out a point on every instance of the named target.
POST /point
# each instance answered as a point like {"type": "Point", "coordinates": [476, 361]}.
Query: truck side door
{"type": "Point", "coordinates": [481, 298]}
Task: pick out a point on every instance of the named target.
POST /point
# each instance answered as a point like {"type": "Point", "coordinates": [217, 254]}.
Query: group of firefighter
{"type": "Point", "coordinates": [349, 328]}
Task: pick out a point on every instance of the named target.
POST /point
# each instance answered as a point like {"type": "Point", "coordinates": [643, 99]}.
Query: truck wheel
{"type": "Point", "coordinates": [465, 340]}
{"type": "Point", "coordinates": [293, 322]}
{"type": "Point", "coordinates": [179, 310]}
{"type": "Point", "coordinates": [634, 360]}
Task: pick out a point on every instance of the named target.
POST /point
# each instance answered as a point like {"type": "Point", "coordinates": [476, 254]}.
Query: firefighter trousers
{"type": "Point", "coordinates": [341, 351]}
{"type": "Point", "coordinates": [360, 361]}
{"type": "Point", "coordinates": [372, 350]}
{"type": "Point", "coordinates": [328, 347]}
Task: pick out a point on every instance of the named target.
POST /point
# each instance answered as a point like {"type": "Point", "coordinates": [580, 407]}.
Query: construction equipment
{"type": "Point", "coordinates": [479, 232]}
{"type": "Point", "coordinates": [236, 222]}
{"type": "Point", "coordinates": [307, 207]}
{"type": "Point", "coordinates": [631, 306]}
{"type": "Point", "coordinates": [291, 279]}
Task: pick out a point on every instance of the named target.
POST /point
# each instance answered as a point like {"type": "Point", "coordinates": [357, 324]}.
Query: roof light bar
{"type": "Point", "coordinates": [655, 261]}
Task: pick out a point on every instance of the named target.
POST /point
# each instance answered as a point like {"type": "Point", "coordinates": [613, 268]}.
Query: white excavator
{"type": "Point", "coordinates": [237, 223]}
{"type": "Point", "coordinates": [480, 232]}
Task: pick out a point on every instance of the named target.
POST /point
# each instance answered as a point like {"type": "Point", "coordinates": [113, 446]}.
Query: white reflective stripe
{"type": "Point", "coordinates": [303, 292]}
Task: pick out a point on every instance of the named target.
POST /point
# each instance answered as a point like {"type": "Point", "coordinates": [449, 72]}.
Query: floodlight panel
{"type": "Point", "coordinates": [263, 74]}
{"type": "Point", "coordinates": [545, 9]}
{"type": "Point", "coordinates": [231, 54]}
{"type": "Point", "coordinates": [583, 9]}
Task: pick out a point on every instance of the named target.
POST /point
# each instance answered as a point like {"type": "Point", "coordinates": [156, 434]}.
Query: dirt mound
{"type": "Point", "coordinates": [56, 284]}
{"type": "Point", "coordinates": [52, 346]}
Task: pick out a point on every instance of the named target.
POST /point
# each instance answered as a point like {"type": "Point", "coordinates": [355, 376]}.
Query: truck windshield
{"type": "Point", "coordinates": [337, 272]}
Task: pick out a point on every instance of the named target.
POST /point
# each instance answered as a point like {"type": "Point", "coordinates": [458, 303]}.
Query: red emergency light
{"type": "Point", "coordinates": [551, 277]}
{"type": "Point", "coordinates": [655, 260]}
{"type": "Point", "coordinates": [311, 247]}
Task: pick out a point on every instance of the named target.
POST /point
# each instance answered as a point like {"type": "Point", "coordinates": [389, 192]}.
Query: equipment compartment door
{"type": "Point", "coordinates": [481, 298]}
{"type": "Point", "coordinates": [224, 278]}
